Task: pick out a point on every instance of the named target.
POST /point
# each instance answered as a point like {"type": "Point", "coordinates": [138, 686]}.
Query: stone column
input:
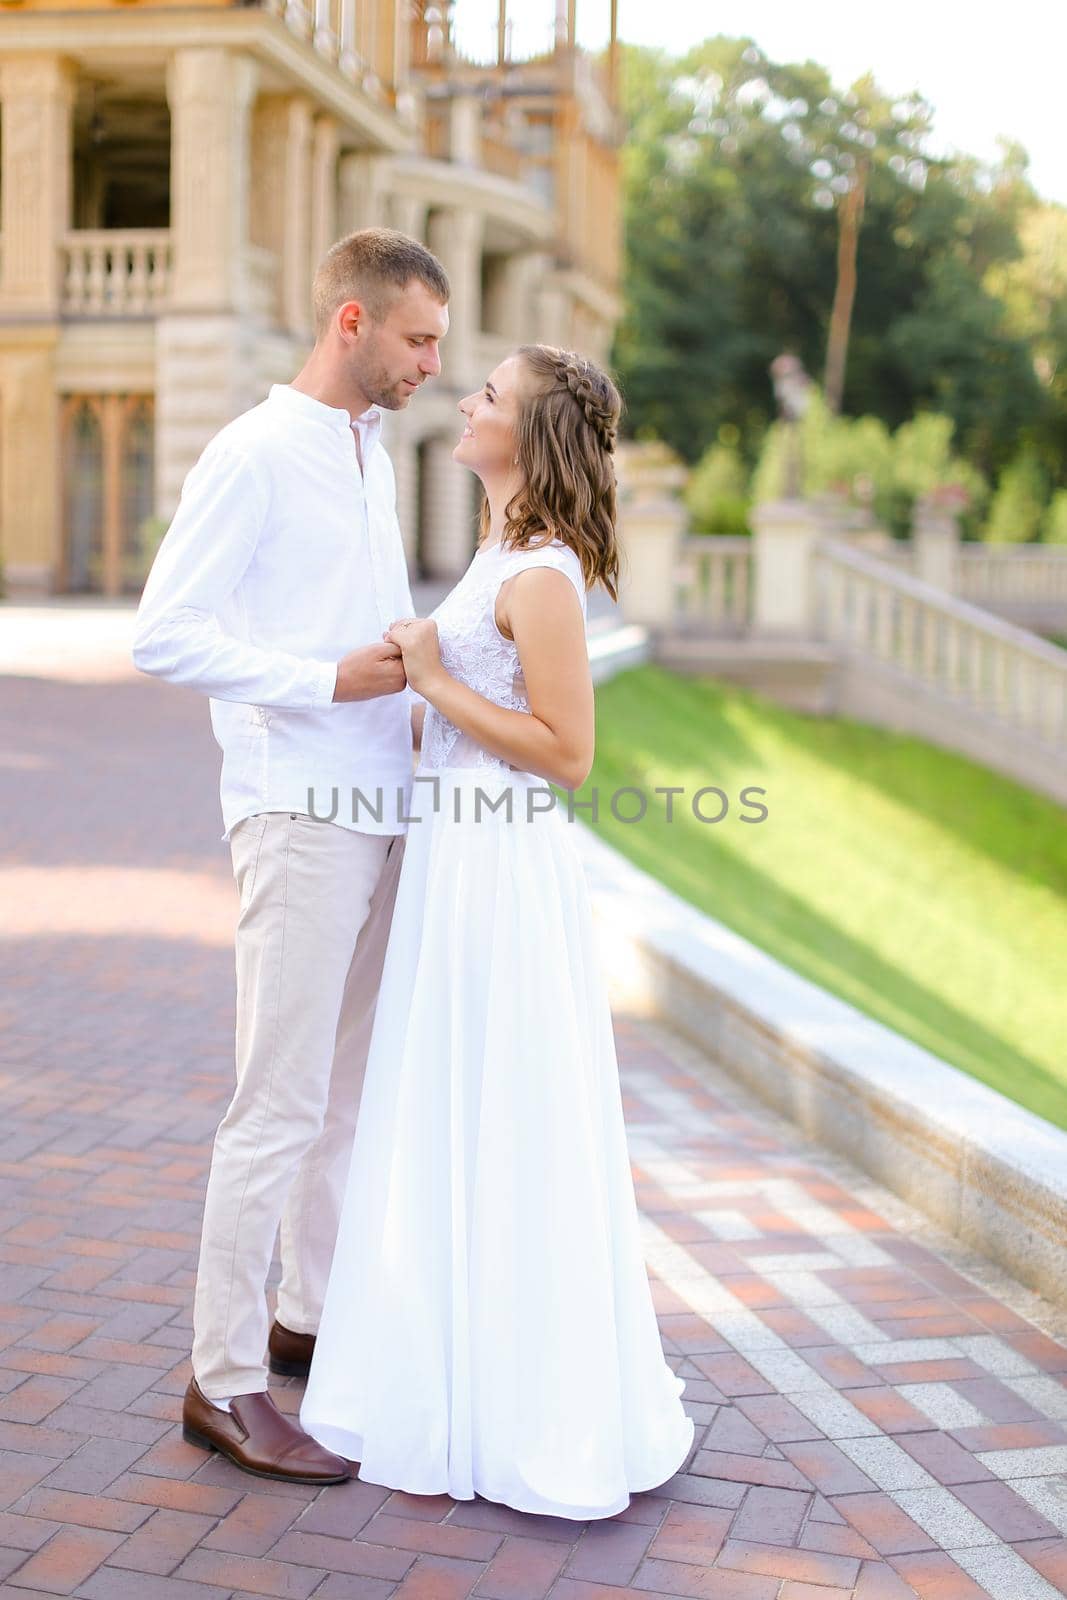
{"type": "Point", "coordinates": [785, 533]}
{"type": "Point", "coordinates": [516, 297]}
{"type": "Point", "coordinates": [283, 200]}
{"type": "Point", "coordinates": [456, 238]}
{"type": "Point", "coordinates": [206, 370]}
{"type": "Point", "coordinates": [37, 94]}
{"type": "Point", "coordinates": [282, 208]}
{"type": "Point", "coordinates": [296, 246]}
{"type": "Point", "coordinates": [465, 131]}
{"type": "Point", "coordinates": [448, 532]}
{"type": "Point", "coordinates": [363, 198]}
{"type": "Point", "coordinates": [553, 305]}
{"type": "Point", "coordinates": [407, 212]}
{"type": "Point", "coordinates": [936, 542]}
{"type": "Point", "coordinates": [325, 147]}
{"type": "Point", "coordinates": [652, 521]}
{"type": "Point", "coordinates": [31, 483]}
{"type": "Point", "coordinates": [210, 95]}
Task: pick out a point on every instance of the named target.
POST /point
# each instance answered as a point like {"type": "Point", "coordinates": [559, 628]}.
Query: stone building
{"type": "Point", "coordinates": [170, 175]}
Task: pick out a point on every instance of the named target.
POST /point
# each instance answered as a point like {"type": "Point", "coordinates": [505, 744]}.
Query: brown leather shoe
{"type": "Point", "coordinates": [255, 1436]}
{"type": "Point", "coordinates": [290, 1353]}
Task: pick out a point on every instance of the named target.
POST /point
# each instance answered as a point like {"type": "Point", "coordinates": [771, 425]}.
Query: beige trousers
{"type": "Point", "coordinates": [316, 906]}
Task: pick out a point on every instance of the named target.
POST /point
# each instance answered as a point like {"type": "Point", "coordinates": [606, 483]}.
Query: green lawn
{"type": "Point", "coordinates": [921, 888]}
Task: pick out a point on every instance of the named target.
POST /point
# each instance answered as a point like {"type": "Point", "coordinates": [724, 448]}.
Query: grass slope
{"type": "Point", "coordinates": [921, 888]}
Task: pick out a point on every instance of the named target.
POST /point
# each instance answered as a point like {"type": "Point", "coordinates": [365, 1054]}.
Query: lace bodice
{"type": "Point", "coordinates": [475, 651]}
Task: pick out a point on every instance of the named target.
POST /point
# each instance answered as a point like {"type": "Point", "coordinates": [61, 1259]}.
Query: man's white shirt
{"type": "Point", "coordinates": [282, 557]}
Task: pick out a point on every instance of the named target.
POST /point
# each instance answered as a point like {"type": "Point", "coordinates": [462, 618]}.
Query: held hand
{"type": "Point", "coordinates": [421, 649]}
{"type": "Point", "coordinates": [372, 670]}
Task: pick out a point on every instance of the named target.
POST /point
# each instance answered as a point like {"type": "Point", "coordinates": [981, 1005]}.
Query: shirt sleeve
{"type": "Point", "coordinates": [203, 557]}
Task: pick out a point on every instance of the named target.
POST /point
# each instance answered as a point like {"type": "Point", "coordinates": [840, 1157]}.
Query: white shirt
{"type": "Point", "coordinates": [281, 558]}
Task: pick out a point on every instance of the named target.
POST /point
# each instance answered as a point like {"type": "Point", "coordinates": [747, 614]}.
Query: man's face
{"type": "Point", "coordinates": [393, 357]}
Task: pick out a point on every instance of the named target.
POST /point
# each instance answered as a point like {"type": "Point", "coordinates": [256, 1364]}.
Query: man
{"type": "Point", "coordinates": [271, 593]}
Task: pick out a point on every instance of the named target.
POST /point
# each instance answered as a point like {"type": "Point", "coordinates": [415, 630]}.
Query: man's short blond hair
{"type": "Point", "coordinates": [373, 266]}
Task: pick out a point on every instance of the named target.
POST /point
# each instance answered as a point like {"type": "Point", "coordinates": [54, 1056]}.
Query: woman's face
{"type": "Point", "coordinates": [488, 442]}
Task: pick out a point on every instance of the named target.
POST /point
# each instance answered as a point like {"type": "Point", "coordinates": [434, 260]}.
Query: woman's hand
{"type": "Point", "coordinates": [420, 648]}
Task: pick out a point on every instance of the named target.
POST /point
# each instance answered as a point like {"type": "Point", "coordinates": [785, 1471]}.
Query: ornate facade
{"type": "Point", "coordinates": [170, 175]}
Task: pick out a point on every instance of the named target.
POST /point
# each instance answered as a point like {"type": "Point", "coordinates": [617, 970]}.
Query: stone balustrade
{"type": "Point", "coordinates": [108, 272]}
{"type": "Point", "coordinates": [714, 584]}
{"type": "Point", "coordinates": [942, 643]}
{"type": "Point", "coordinates": [1010, 574]}
{"type": "Point", "coordinates": [817, 623]}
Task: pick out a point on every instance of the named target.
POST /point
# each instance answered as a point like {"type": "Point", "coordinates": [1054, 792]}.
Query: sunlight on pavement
{"type": "Point", "coordinates": [56, 901]}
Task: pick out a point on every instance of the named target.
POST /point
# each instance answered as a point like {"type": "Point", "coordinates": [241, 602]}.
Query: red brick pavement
{"type": "Point", "coordinates": [870, 1421]}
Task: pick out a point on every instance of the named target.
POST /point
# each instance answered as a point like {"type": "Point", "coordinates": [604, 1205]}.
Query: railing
{"type": "Point", "coordinates": [115, 274]}
{"type": "Point", "coordinates": [500, 156]}
{"type": "Point", "coordinates": [965, 654]}
{"type": "Point", "coordinates": [714, 583]}
{"type": "Point", "coordinates": [107, 273]}
{"type": "Point", "coordinates": [898, 553]}
{"type": "Point", "coordinates": [1019, 574]}
{"type": "Point", "coordinates": [494, 152]}
{"type": "Point", "coordinates": [332, 28]}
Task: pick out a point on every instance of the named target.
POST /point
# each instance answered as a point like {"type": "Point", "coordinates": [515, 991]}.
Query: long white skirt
{"type": "Point", "coordinates": [488, 1326]}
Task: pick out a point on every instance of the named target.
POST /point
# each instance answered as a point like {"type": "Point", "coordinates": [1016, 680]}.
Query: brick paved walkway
{"type": "Point", "coordinates": [876, 1415]}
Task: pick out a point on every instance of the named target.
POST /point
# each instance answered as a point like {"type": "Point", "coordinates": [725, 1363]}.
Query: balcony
{"type": "Point", "coordinates": [111, 273]}
{"type": "Point", "coordinates": [362, 47]}
{"type": "Point", "coordinates": [126, 272]}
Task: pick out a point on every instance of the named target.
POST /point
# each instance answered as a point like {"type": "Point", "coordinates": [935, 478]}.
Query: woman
{"type": "Point", "coordinates": [488, 1327]}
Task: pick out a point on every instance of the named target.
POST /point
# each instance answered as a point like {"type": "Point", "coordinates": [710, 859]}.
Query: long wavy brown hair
{"type": "Point", "coordinates": [565, 441]}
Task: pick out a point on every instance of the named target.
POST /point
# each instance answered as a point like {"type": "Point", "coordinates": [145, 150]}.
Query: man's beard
{"type": "Point", "coordinates": [378, 385]}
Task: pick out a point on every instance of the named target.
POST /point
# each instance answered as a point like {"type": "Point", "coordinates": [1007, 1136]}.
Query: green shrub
{"type": "Point", "coordinates": [1018, 506]}
{"type": "Point", "coordinates": [1054, 522]}
{"type": "Point", "coordinates": [923, 461]}
{"type": "Point", "coordinates": [716, 492]}
{"type": "Point", "coordinates": [858, 459]}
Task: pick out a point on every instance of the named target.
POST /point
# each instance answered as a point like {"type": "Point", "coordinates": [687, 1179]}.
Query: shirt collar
{"type": "Point", "coordinates": [369, 422]}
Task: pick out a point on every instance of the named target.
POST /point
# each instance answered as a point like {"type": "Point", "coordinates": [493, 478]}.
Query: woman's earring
{"type": "Point", "coordinates": [514, 461]}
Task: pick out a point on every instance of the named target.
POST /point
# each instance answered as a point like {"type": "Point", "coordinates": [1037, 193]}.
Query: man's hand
{"type": "Point", "coordinates": [372, 670]}
{"type": "Point", "coordinates": [418, 639]}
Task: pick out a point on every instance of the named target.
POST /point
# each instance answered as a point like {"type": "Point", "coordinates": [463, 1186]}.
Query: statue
{"type": "Point", "coordinates": [792, 391]}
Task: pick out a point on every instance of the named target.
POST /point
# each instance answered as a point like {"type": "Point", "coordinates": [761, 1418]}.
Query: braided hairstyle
{"type": "Point", "coordinates": [565, 441]}
{"type": "Point", "coordinates": [595, 396]}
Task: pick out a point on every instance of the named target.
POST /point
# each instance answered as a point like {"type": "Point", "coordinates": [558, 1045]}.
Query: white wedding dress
{"type": "Point", "coordinates": [488, 1327]}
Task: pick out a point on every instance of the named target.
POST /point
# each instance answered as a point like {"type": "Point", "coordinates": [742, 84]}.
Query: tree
{"type": "Point", "coordinates": [732, 255]}
{"type": "Point", "coordinates": [839, 140]}
{"type": "Point", "coordinates": [1033, 290]}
